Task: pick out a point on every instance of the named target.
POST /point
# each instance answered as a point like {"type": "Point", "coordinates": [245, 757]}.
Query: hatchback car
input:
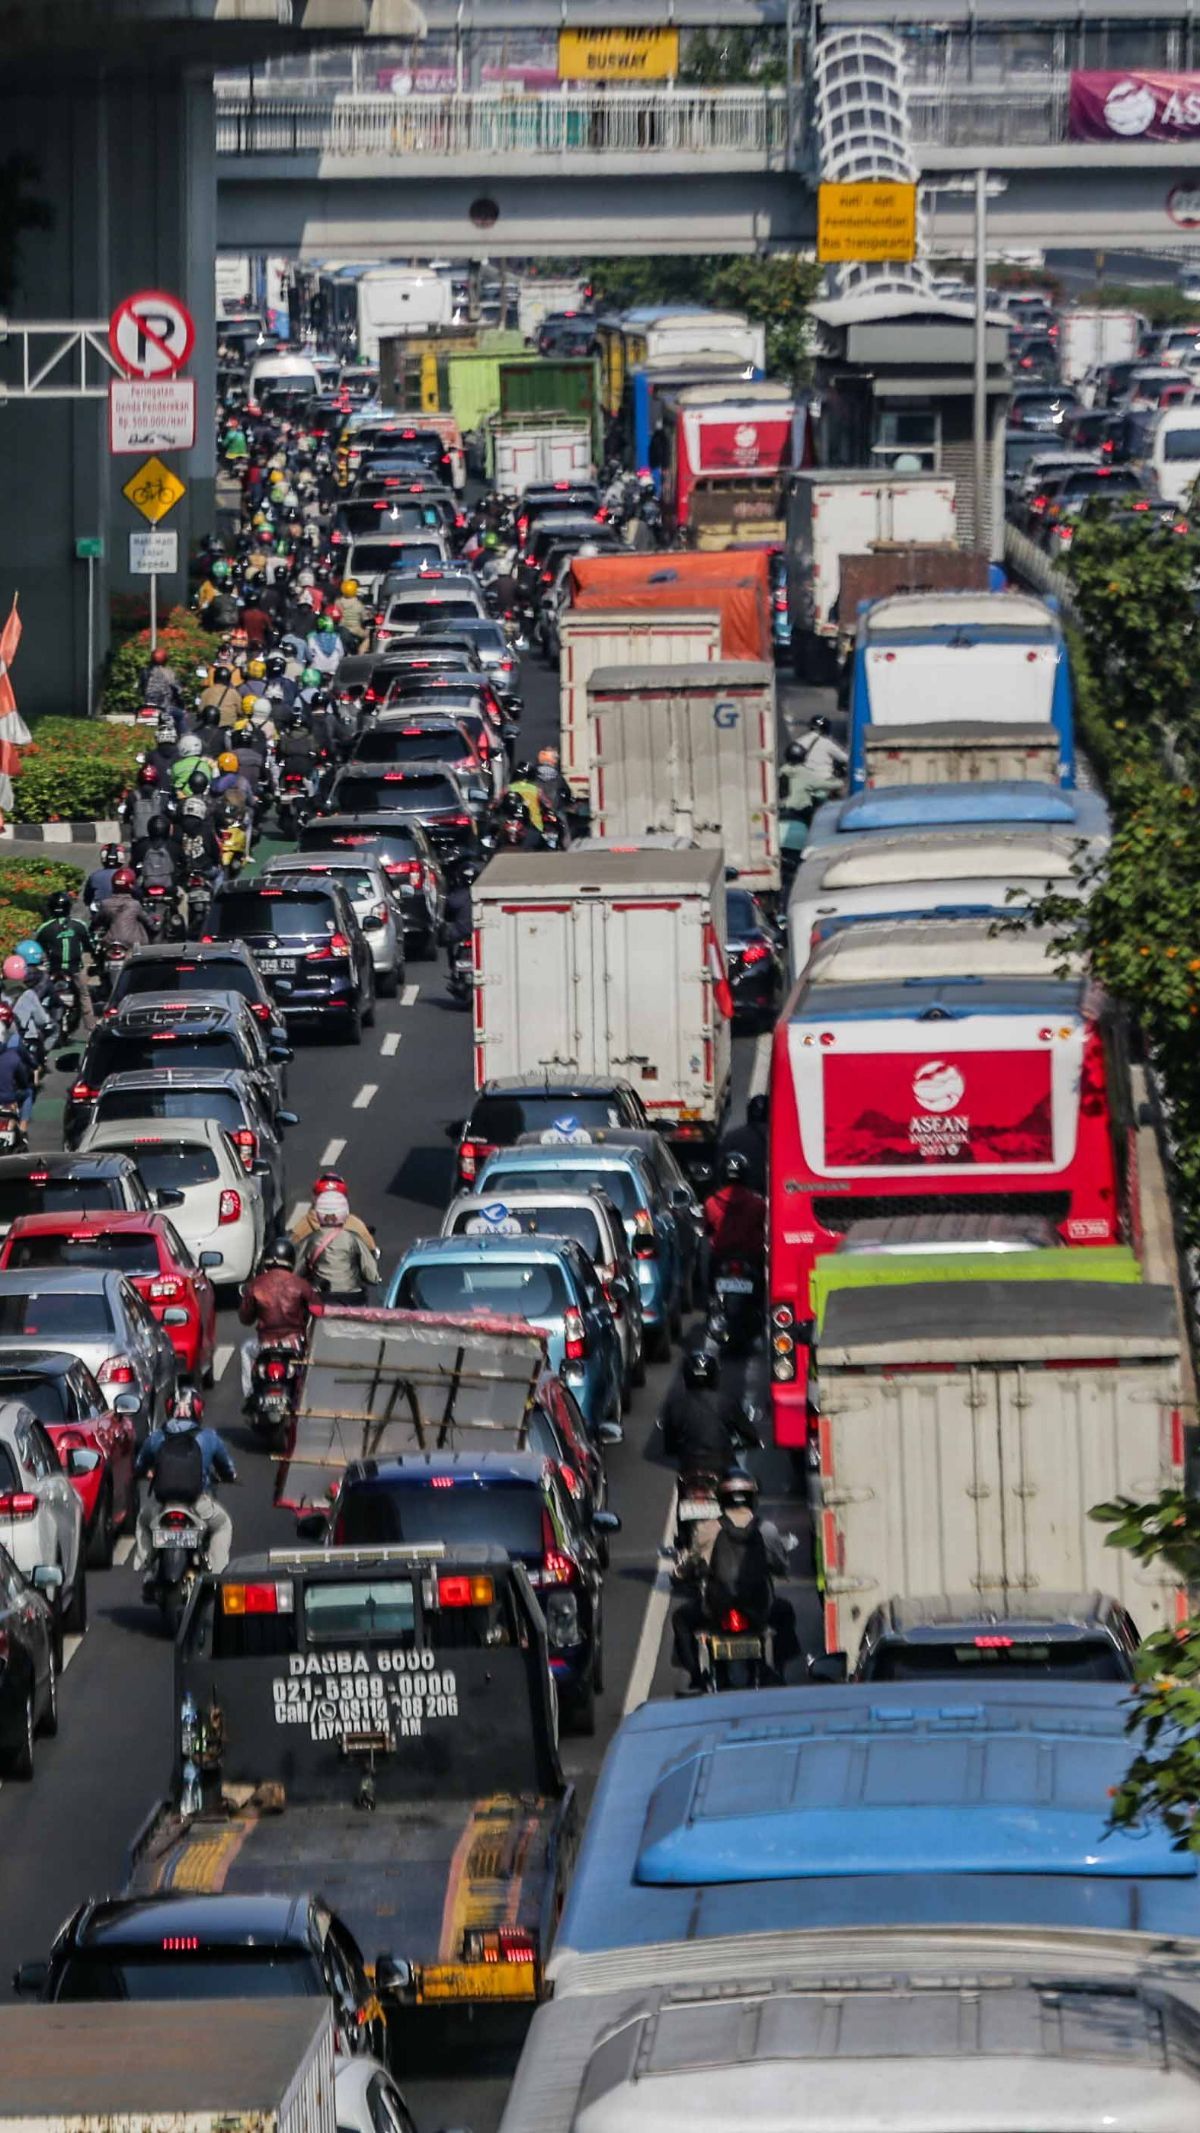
{"type": "Point", "coordinates": [36, 1184]}
{"type": "Point", "coordinates": [158, 1029]}
{"type": "Point", "coordinates": [560, 1110]}
{"type": "Point", "coordinates": [489, 640]}
{"type": "Point", "coordinates": [515, 1499]}
{"type": "Point", "coordinates": [547, 1281]}
{"type": "Point", "coordinates": [431, 795]}
{"type": "Point", "coordinates": [41, 1519]}
{"type": "Point", "coordinates": [78, 1418]}
{"type": "Point", "coordinates": [154, 1259]}
{"type": "Point", "coordinates": [100, 1318]}
{"type": "Point", "coordinates": [650, 1224]}
{"type": "Point", "coordinates": [408, 860]}
{"type": "Point", "coordinates": [136, 1102]}
{"type": "Point", "coordinates": [752, 958]}
{"type": "Point", "coordinates": [462, 696]}
{"type": "Point", "coordinates": [30, 1658]}
{"type": "Point", "coordinates": [213, 1187]}
{"type": "Point", "coordinates": [436, 596]}
{"type": "Point", "coordinates": [375, 905]}
{"type": "Point", "coordinates": [309, 947]}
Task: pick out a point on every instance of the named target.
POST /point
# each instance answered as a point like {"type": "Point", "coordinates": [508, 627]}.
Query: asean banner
{"type": "Point", "coordinates": [885, 1112]}
{"type": "Point", "coordinates": [1135, 107]}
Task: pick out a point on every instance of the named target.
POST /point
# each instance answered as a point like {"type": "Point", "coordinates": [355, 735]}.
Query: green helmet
{"type": "Point", "coordinates": [491, 539]}
{"type": "Point", "coordinates": [220, 570]}
{"type": "Point", "coordinates": [311, 678]}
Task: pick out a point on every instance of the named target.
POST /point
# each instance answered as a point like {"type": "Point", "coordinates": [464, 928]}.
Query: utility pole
{"type": "Point", "coordinates": [981, 540]}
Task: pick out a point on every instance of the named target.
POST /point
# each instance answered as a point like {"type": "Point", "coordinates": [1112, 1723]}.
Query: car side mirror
{"type": "Point", "coordinates": [392, 1974]}
{"type": "Point", "coordinates": [48, 1577]}
{"type": "Point", "coordinates": [606, 1522]}
{"type": "Point", "coordinates": [260, 1168]}
{"type": "Point", "coordinates": [81, 1459]}
{"type": "Point", "coordinates": [127, 1403]}
{"type": "Point", "coordinates": [287, 1118]}
{"type": "Point", "coordinates": [168, 1196]}
{"type": "Point", "coordinates": [312, 1526]}
{"type": "Point", "coordinates": [830, 1668]}
{"type": "Point", "coordinates": [212, 1259]}
{"type": "Point", "coordinates": [279, 1054]}
{"type": "Point", "coordinates": [31, 1978]}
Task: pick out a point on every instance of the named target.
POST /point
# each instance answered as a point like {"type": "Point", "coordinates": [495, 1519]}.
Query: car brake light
{"type": "Point", "coordinates": [557, 1568]}
{"type": "Point", "coordinates": [256, 1599]}
{"type": "Point", "coordinates": [230, 1206]}
{"type": "Point", "coordinates": [993, 1644]}
{"type": "Point", "coordinates": [162, 1290]}
{"type": "Point", "coordinates": [645, 1243]}
{"type": "Point", "coordinates": [458, 821]}
{"type": "Point", "coordinates": [576, 1339]}
{"type": "Point", "coordinates": [17, 1503]}
{"type": "Point", "coordinates": [339, 944]}
{"type": "Point", "coordinates": [505, 1944]}
{"type": "Point", "coordinates": [755, 952]}
{"type": "Point", "coordinates": [465, 1592]}
{"type": "Point", "coordinates": [116, 1370]}
{"type": "Point", "coordinates": [471, 1153]}
{"type": "Point", "coordinates": [246, 1143]}
{"type": "Point", "coordinates": [82, 1092]}
{"type": "Point", "coordinates": [571, 1481]}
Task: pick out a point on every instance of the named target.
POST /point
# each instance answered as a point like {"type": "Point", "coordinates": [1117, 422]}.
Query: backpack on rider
{"type": "Point", "coordinates": [178, 1469]}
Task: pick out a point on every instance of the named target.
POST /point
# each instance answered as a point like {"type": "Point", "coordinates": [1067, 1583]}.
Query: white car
{"type": "Point", "coordinates": [366, 2099]}
{"type": "Point", "coordinates": [376, 909]}
{"type": "Point", "coordinates": [195, 1173]}
{"type": "Point", "coordinates": [41, 1517]}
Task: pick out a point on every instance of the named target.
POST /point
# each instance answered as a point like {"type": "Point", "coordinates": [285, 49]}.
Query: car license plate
{"type": "Point", "coordinates": [734, 1285]}
{"type": "Point", "coordinates": [735, 1647]}
{"type": "Point", "coordinates": [698, 1507]}
{"type": "Point", "coordinates": [478, 1981]}
{"type": "Point", "coordinates": [172, 1537]}
{"type": "Point", "coordinates": [276, 966]}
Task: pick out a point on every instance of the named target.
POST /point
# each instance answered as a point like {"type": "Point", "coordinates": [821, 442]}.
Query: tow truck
{"type": "Point", "coordinates": [379, 1725]}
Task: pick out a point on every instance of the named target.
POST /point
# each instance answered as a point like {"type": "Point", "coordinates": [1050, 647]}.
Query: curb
{"type": "Point", "coordinates": [61, 832]}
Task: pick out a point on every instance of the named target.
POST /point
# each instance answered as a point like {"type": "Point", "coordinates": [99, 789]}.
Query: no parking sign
{"type": "Point", "coordinates": [151, 334]}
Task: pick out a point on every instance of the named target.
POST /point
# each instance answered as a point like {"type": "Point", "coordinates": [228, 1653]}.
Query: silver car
{"type": "Point", "coordinates": [41, 1516]}
{"type": "Point", "coordinates": [100, 1318]}
{"type": "Point", "coordinates": [375, 907]}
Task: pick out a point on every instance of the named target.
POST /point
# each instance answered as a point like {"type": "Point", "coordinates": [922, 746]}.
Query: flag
{"type": "Point", "coordinates": [12, 725]}
{"type": "Point", "coordinates": [720, 982]}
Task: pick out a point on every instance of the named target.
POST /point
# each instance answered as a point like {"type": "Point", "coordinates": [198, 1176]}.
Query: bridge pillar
{"type": "Point", "coordinates": [126, 167]}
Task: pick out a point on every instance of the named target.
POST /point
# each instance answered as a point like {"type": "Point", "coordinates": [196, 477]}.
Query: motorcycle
{"type": "Point", "coordinates": [199, 904]}
{"type": "Point", "coordinates": [63, 1010]}
{"type": "Point", "coordinates": [109, 957]}
{"type": "Point", "coordinates": [736, 1290]}
{"type": "Point", "coordinates": [178, 1556]}
{"type": "Point", "coordinates": [735, 1653]}
{"type": "Point", "coordinates": [461, 979]}
{"type": "Point", "coordinates": [275, 1379]}
{"type": "Point", "coordinates": [295, 799]}
{"type": "Point", "coordinates": [159, 914]}
{"type": "Point", "coordinates": [13, 1139]}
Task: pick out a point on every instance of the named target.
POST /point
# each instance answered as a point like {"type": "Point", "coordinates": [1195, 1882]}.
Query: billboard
{"type": "Point", "coordinates": [887, 1109]}
{"type": "Point", "coordinates": [1143, 106]}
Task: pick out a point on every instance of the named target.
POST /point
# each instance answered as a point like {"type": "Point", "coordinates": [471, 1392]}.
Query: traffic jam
{"type": "Point", "coordinates": [577, 1251]}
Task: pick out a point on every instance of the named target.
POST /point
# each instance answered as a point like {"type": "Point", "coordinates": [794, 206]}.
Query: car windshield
{"type": "Point", "coordinates": [741, 913]}
{"type": "Point", "coordinates": [118, 1053]}
{"type": "Point", "coordinates": [414, 556]}
{"type": "Point", "coordinates": [392, 788]}
{"type": "Point", "coordinates": [54, 1315]}
{"type": "Point", "coordinates": [174, 1165]}
{"type": "Point", "coordinates": [362, 517]}
{"type": "Point", "coordinates": [1090, 481]}
{"type": "Point", "coordinates": [46, 1396]}
{"type": "Point", "coordinates": [370, 557]}
{"type": "Point", "coordinates": [209, 976]}
{"type": "Point", "coordinates": [1181, 444]}
{"type": "Point", "coordinates": [508, 1514]}
{"type": "Point", "coordinates": [125, 1254]}
{"type": "Point", "coordinates": [532, 1290]}
{"type": "Point", "coordinates": [190, 1973]}
{"type": "Point", "coordinates": [358, 886]}
{"type": "Point", "coordinates": [577, 1222]}
{"type": "Point", "coordinates": [619, 1183]}
{"type": "Point", "coordinates": [114, 1104]}
{"type": "Point", "coordinates": [435, 607]}
{"type": "Point", "coordinates": [252, 911]}
{"type": "Point", "coordinates": [415, 744]}
{"type": "Point", "coordinates": [26, 1196]}
{"type": "Point", "coordinates": [1015, 1659]}
{"type": "Point", "coordinates": [556, 1116]}
{"type": "Point", "coordinates": [487, 636]}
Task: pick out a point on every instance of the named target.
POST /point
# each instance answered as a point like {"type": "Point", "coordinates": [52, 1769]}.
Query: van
{"type": "Point", "coordinates": [1174, 453]}
{"type": "Point", "coordinates": [272, 368]}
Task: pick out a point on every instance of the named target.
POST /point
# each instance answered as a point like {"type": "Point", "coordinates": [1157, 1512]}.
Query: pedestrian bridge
{"type": "Point", "coordinates": [602, 169]}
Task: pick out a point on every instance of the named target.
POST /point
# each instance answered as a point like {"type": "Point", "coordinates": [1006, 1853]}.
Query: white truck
{"type": "Point", "coordinates": [689, 749]}
{"type": "Point", "coordinates": [177, 2066]}
{"type": "Point", "coordinates": [539, 298]}
{"type": "Point", "coordinates": [1087, 338]}
{"type": "Point", "coordinates": [966, 1429]}
{"type": "Point", "coordinates": [608, 963]}
{"type": "Point", "coordinates": [399, 300]}
{"type": "Point", "coordinates": [603, 637]}
{"type": "Point", "coordinates": [849, 511]}
{"type": "Point", "coordinates": [523, 449]}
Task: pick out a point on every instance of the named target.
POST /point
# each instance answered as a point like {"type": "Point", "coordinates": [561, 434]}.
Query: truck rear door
{"type": "Point", "coordinates": [648, 969]}
{"type": "Point", "coordinates": [522, 1028]}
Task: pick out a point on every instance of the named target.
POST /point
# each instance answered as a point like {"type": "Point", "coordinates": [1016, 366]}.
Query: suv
{"type": "Point", "coordinates": [375, 903]}
{"type": "Point", "coordinates": [199, 966]}
{"type": "Point", "coordinates": [46, 1184]}
{"type": "Point", "coordinates": [517, 1499]}
{"type": "Point", "coordinates": [431, 793]}
{"type": "Point", "coordinates": [200, 1031]}
{"type": "Point", "coordinates": [407, 858]}
{"type": "Point", "coordinates": [309, 947]}
{"type": "Point", "coordinates": [559, 1112]}
{"type": "Point", "coordinates": [1045, 1636]}
{"type": "Point", "coordinates": [421, 736]}
{"type": "Point", "coordinates": [436, 596]}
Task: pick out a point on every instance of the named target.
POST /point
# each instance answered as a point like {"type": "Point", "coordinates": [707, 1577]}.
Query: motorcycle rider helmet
{"type": "Point", "coordinates": [512, 829]}
{"type": "Point", "coordinates": [14, 969]}
{"type": "Point", "coordinates": [311, 678]}
{"type": "Point", "coordinates": [716, 1330]}
{"type": "Point", "coordinates": [280, 1252]}
{"type": "Point", "coordinates": [256, 669]}
{"type": "Point", "coordinates": [700, 1367]}
{"type": "Point", "coordinates": [276, 666]}
{"type": "Point", "coordinates": [222, 676]}
{"type": "Point", "coordinates": [187, 1408]}
{"type": "Point", "coordinates": [737, 1490]}
{"type": "Point", "coordinates": [190, 745]}
{"type": "Point", "coordinates": [332, 615]}
{"type": "Point", "coordinates": [59, 904]}
{"type": "Point", "coordinates": [491, 538]}
{"type": "Point", "coordinates": [331, 1209]}
{"type": "Point", "coordinates": [349, 588]}
{"type": "Point", "coordinates": [819, 724]}
{"type": "Point", "coordinates": [735, 1170]}
{"type": "Point", "coordinates": [166, 728]}
{"type": "Point", "coordinates": [248, 702]}
{"type": "Point", "coordinates": [158, 657]}
{"type": "Point", "coordinates": [794, 752]}
{"type": "Point", "coordinates": [329, 1181]}
{"type": "Point", "coordinates": [124, 880]}
{"type": "Point", "coordinates": [220, 571]}
{"type": "Point", "coordinates": [512, 808]}
{"type": "Point", "coordinates": [110, 856]}
{"type": "Point", "coordinates": [148, 775]}
{"type": "Point", "coordinates": [227, 763]}
{"type": "Point", "coordinates": [157, 826]}
{"type": "Point", "coordinates": [210, 718]}
{"type": "Point", "coordinates": [32, 954]}
{"type": "Point", "coordinates": [758, 1110]}
{"type": "Point", "coordinates": [200, 780]}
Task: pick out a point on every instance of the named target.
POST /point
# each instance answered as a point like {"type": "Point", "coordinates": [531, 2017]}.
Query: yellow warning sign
{"type": "Point", "coordinates": [866, 222]}
{"type": "Point", "coordinates": [154, 489]}
{"type": "Point", "coordinates": [618, 55]}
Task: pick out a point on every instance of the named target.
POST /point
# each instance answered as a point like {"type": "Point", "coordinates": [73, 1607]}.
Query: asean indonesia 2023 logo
{"type": "Point", "coordinates": [938, 1086]}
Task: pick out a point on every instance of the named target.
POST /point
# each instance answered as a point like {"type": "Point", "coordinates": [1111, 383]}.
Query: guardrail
{"type": "Point", "coordinates": [1029, 114]}
{"type": "Point", "coordinates": [704, 123]}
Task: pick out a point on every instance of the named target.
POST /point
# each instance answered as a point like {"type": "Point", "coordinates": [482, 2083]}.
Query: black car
{"type": "Point", "coordinates": [515, 1499]}
{"type": "Point", "coordinates": [752, 955]}
{"type": "Point", "coordinates": [156, 1030]}
{"type": "Point", "coordinates": [557, 1110]}
{"type": "Point", "coordinates": [224, 1947]}
{"type": "Point", "coordinates": [200, 966]}
{"type": "Point", "coordinates": [425, 448]}
{"type": "Point", "coordinates": [407, 858]}
{"type": "Point", "coordinates": [1043, 1636]}
{"type": "Point", "coordinates": [309, 946]}
{"type": "Point", "coordinates": [431, 795]}
{"type": "Point", "coordinates": [34, 1184]}
{"type": "Point", "coordinates": [30, 1658]}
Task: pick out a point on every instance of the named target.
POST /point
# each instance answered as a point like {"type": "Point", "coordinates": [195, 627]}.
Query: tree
{"type": "Point", "coordinates": [774, 291]}
{"type": "Point", "coordinates": [714, 59]}
{"type": "Point", "coordinates": [1163, 1780]}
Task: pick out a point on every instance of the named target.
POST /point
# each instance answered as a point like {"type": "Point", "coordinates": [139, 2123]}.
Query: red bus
{"type": "Point", "coordinates": [973, 1094]}
{"type": "Point", "coordinates": [728, 449]}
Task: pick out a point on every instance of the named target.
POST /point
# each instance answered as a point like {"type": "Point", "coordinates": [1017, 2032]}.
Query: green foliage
{"type": "Point", "coordinates": [1132, 579]}
{"type": "Point", "coordinates": [713, 59]}
{"type": "Point", "coordinates": [1159, 305]}
{"type": "Point", "coordinates": [183, 639]}
{"type": "Point", "coordinates": [25, 885]}
{"type": "Point", "coordinates": [1163, 1780]}
{"type": "Point", "coordinates": [774, 292]}
{"type": "Point", "coordinates": [74, 770]}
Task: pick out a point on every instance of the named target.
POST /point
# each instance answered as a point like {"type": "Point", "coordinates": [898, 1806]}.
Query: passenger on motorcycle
{"type": "Point", "coordinates": [182, 1461]}
{"type": "Point", "coordinates": [277, 1303]}
{"type": "Point", "coordinates": [310, 1221]}
{"type": "Point", "coordinates": [730, 1562]}
{"type": "Point", "coordinates": [99, 882]}
{"type": "Point", "coordinates": [30, 1020]}
{"type": "Point", "coordinates": [335, 1256]}
{"type": "Point", "coordinates": [814, 765]}
{"type": "Point", "coordinates": [120, 915]}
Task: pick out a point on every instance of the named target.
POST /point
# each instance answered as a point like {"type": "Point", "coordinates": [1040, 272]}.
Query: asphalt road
{"type": "Point", "coordinates": [380, 1113]}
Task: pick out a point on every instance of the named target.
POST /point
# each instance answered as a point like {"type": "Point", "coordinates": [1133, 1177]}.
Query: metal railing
{"type": "Point", "coordinates": [704, 123]}
{"type": "Point", "coordinates": [1002, 114]}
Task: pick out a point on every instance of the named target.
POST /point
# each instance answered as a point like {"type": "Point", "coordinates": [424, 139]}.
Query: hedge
{"type": "Point", "coordinates": [183, 639]}
{"type": "Point", "coordinates": [25, 885]}
{"type": "Point", "coordinates": [74, 770]}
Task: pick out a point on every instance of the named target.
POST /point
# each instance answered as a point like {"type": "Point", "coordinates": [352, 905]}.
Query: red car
{"type": "Point", "coordinates": [154, 1259]}
{"type": "Point", "coordinates": [63, 1394]}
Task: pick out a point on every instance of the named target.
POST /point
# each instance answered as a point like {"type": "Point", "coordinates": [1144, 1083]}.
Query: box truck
{"type": "Point", "coordinates": [689, 749]}
{"type": "Point", "coordinates": [609, 963]}
{"type": "Point", "coordinates": [842, 511]}
{"type": "Point", "coordinates": [523, 449]}
{"type": "Point", "coordinates": [600, 637]}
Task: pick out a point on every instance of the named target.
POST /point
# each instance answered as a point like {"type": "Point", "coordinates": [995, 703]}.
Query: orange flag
{"type": "Point", "coordinates": [10, 638]}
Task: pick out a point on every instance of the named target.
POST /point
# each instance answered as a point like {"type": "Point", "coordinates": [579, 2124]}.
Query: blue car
{"type": "Point", "coordinates": [651, 1225]}
{"type": "Point", "coordinates": [549, 1282]}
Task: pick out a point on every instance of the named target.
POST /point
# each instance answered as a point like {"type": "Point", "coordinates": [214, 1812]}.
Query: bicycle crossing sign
{"type": "Point", "coordinates": [154, 489]}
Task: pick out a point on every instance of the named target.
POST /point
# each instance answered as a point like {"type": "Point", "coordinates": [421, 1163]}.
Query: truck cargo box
{"type": "Point", "coordinates": [737, 585]}
{"type": "Point", "coordinates": [837, 511]}
{"type": "Point", "coordinates": [594, 637]}
{"type": "Point", "coordinates": [908, 567]}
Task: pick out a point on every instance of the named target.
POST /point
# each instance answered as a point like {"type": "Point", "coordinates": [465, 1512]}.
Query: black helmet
{"type": "Point", "coordinates": [819, 724]}
{"type": "Point", "coordinates": [209, 716]}
{"type": "Point", "coordinates": [158, 826]}
{"type": "Point", "coordinates": [700, 1367]}
{"type": "Point", "coordinates": [223, 675]}
{"type": "Point", "coordinates": [734, 1168]}
{"type": "Point", "coordinates": [59, 905]}
{"type": "Point", "coordinates": [758, 1110]}
{"type": "Point", "coordinates": [737, 1487]}
{"type": "Point", "coordinates": [513, 809]}
{"type": "Point", "coordinates": [794, 752]}
{"type": "Point", "coordinates": [280, 1252]}
{"type": "Point", "coordinates": [276, 664]}
{"type": "Point", "coordinates": [110, 855]}
{"type": "Point", "coordinates": [524, 770]}
{"type": "Point", "coordinates": [716, 1330]}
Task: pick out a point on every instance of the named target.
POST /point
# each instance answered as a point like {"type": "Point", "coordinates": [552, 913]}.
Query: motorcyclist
{"type": "Point", "coordinates": [142, 803]}
{"type": "Point", "coordinates": [524, 786]}
{"type": "Point", "coordinates": [30, 1021]}
{"type": "Point", "coordinates": [730, 1563]}
{"type": "Point", "coordinates": [354, 614]}
{"type": "Point", "coordinates": [457, 913]}
{"type": "Point", "coordinates": [174, 1460]}
{"type": "Point", "coordinates": [813, 765]}
{"type": "Point", "coordinates": [310, 1222]}
{"type": "Point", "coordinates": [334, 1256]}
{"type": "Point", "coordinates": [120, 915]}
{"type": "Point", "coordinates": [158, 867]}
{"type": "Point", "coordinates": [298, 751]}
{"type": "Point", "coordinates": [221, 693]}
{"type": "Point", "coordinates": [703, 1428]}
{"type": "Point", "coordinates": [277, 1303]}
{"type": "Point", "coordinates": [191, 757]}
{"type": "Point", "coordinates": [160, 682]}
{"type": "Point", "coordinates": [750, 1141]}
{"type": "Point", "coordinates": [17, 1083]}
{"type": "Point", "coordinates": [553, 789]}
{"type": "Point", "coordinates": [735, 1216]}
{"type": "Point", "coordinates": [99, 882]}
{"type": "Point", "coordinates": [65, 944]}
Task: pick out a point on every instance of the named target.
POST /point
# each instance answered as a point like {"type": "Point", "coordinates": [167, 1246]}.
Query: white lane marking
{"type": "Point", "coordinates": [367, 1091]}
{"type": "Point", "coordinates": [391, 1044]}
{"type": "Point", "coordinates": [123, 1550]}
{"type": "Point", "coordinates": [645, 1659]}
{"type": "Point", "coordinates": [301, 1208]}
{"type": "Point", "coordinates": [762, 1064]}
{"type": "Point", "coordinates": [70, 1647]}
{"type": "Point", "coordinates": [222, 1358]}
{"type": "Point", "coordinates": [332, 1151]}
{"type": "Point", "coordinates": [409, 995]}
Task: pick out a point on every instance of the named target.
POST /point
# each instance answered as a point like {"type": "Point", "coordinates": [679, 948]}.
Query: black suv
{"type": "Point", "coordinates": [430, 795]}
{"type": "Point", "coordinates": [199, 966]}
{"type": "Point", "coordinates": [309, 946]}
{"type": "Point", "coordinates": [407, 858]}
{"type": "Point", "coordinates": [158, 1030]}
